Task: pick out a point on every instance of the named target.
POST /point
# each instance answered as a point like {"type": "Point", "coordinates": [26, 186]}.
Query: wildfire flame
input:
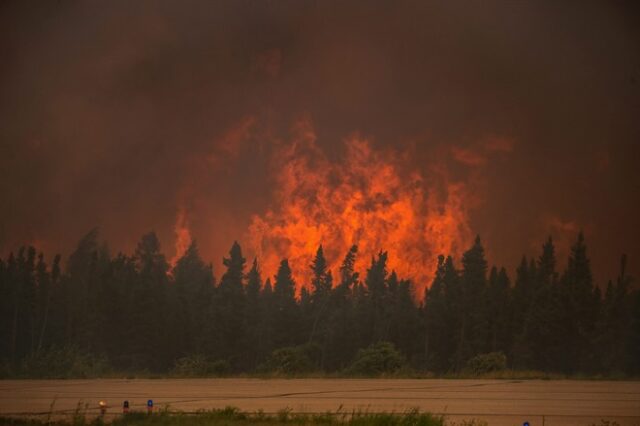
{"type": "Point", "coordinates": [183, 236]}
{"type": "Point", "coordinates": [369, 199]}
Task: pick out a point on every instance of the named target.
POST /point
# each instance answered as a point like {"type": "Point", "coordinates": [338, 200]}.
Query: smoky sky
{"type": "Point", "coordinates": [112, 114]}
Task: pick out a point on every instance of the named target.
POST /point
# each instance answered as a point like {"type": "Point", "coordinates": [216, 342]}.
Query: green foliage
{"type": "Point", "coordinates": [199, 365]}
{"type": "Point", "coordinates": [233, 416]}
{"type": "Point", "coordinates": [487, 363]}
{"type": "Point", "coordinates": [377, 359]}
{"type": "Point", "coordinates": [291, 360]}
{"type": "Point", "coordinates": [411, 417]}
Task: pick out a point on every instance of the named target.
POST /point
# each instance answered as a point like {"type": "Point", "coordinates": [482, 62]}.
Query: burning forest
{"type": "Point", "coordinates": [302, 187]}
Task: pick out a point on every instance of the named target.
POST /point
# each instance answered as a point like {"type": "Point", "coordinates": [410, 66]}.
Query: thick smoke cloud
{"type": "Point", "coordinates": [119, 114]}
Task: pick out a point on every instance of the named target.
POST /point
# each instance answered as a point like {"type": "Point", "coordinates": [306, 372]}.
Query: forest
{"type": "Point", "coordinates": [136, 313]}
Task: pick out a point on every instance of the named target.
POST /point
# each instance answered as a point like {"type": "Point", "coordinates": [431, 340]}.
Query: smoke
{"type": "Point", "coordinates": [121, 115]}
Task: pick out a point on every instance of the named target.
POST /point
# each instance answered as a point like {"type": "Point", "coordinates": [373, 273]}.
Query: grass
{"type": "Point", "coordinates": [233, 416]}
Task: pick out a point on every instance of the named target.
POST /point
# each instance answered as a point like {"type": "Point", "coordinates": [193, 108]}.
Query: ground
{"type": "Point", "coordinates": [500, 402]}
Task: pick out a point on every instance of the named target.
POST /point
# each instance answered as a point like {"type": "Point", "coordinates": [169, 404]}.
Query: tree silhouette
{"type": "Point", "coordinates": [137, 314]}
{"type": "Point", "coordinates": [231, 307]}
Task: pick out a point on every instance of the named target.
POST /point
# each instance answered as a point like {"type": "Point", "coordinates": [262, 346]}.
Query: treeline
{"type": "Point", "coordinates": [137, 314]}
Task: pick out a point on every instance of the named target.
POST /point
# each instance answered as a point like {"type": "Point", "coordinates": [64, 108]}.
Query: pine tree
{"type": "Point", "coordinates": [348, 275]}
{"type": "Point", "coordinates": [286, 312]}
{"type": "Point", "coordinates": [192, 296]}
{"type": "Point", "coordinates": [231, 307]}
{"type": "Point", "coordinates": [474, 324]}
{"type": "Point", "coordinates": [523, 294]}
{"type": "Point", "coordinates": [614, 327]}
{"type": "Point", "coordinates": [267, 320]}
{"type": "Point", "coordinates": [579, 308]}
{"type": "Point", "coordinates": [542, 323]}
{"type": "Point", "coordinates": [341, 323]}
{"type": "Point", "coordinates": [152, 350]}
{"type": "Point", "coordinates": [377, 297]}
{"type": "Point", "coordinates": [498, 303]}
{"type": "Point", "coordinates": [122, 336]}
{"type": "Point", "coordinates": [47, 282]}
{"type": "Point", "coordinates": [437, 326]}
{"type": "Point", "coordinates": [80, 287]}
{"type": "Point", "coordinates": [253, 313]}
{"type": "Point", "coordinates": [321, 284]}
{"type": "Point", "coordinates": [404, 318]}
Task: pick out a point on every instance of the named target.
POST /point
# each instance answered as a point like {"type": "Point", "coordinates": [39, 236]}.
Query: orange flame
{"type": "Point", "coordinates": [183, 236]}
{"type": "Point", "coordinates": [368, 199]}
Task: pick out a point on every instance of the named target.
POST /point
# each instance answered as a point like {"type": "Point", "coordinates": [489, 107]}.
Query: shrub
{"type": "Point", "coordinates": [198, 365]}
{"type": "Point", "coordinates": [486, 363]}
{"type": "Point", "coordinates": [291, 360]}
{"type": "Point", "coordinates": [220, 367]}
{"type": "Point", "coordinates": [379, 358]}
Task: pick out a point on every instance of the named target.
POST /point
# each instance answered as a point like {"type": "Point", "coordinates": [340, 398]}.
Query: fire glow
{"type": "Point", "coordinates": [367, 198]}
{"type": "Point", "coordinates": [183, 235]}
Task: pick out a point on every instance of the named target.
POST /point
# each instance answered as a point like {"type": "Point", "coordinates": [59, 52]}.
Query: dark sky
{"type": "Point", "coordinates": [115, 114]}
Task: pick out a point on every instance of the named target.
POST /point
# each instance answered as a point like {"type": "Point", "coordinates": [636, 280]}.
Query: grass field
{"type": "Point", "coordinates": [497, 402]}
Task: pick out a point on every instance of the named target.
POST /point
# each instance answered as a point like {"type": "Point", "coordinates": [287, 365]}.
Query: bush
{"type": "Point", "coordinates": [486, 363]}
{"type": "Point", "coordinates": [62, 363]}
{"type": "Point", "coordinates": [198, 365]}
{"type": "Point", "coordinates": [291, 360]}
{"type": "Point", "coordinates": [380, 358]}
{"type": "Point", "coordinates": [220, 367]}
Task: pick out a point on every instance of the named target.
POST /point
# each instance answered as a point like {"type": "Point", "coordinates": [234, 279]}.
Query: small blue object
{"type": "Point", "coordinates": [525, 424]}
{"type": "Point", "coordinates": [150, 404]}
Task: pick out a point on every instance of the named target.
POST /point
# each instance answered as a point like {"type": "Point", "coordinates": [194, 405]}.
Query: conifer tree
{"type": "Point", "coordinates": [541, 328]}
{"type": "Point", "coordinates": [523, 293]}
{"type": "Point", "coordinates": [253, 314]}
{"type": "Point", "coordinates": [341, 323]}
{"type": "Point", "coordinates": [474, 327]}
{"type": "Point", "coordinates": [267, 316]}
{"type": "Point", "coordinates": [192, 293]}
{"type": "Point", "coordinates": [404, 317]}
{"type": "Point", "coordinates": [436, 317]}
{"type": "Point", "coordinates": [151, 304]}
{"type": "Point", "coordinates": [377, 296]}
{"type": "Point", "coordinates": [285, 308]}
{"type": "Point", "coordinates": [231, 308]}
{"type": "Point", "coordinates": [614, 327]}
{"type": "Point", "coordinates": [498, 304]}
{"type": "Point", "coordinates": [579, 309]}
{"type": "Point", "coordinates": [320, 307]}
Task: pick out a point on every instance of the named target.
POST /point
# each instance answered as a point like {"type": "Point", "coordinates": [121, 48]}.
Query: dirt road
{"type": "Point", "coordinates": [500, 402]}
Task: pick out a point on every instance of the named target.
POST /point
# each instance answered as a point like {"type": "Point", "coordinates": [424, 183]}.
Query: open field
{"type": "Point", "coordinates": [500, 402]}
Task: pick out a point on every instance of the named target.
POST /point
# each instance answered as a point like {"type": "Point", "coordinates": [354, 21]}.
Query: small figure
{"type": "Point", "coordinates": [150, 406]}
{"type": "Point", "coordinates": [125, 407]}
